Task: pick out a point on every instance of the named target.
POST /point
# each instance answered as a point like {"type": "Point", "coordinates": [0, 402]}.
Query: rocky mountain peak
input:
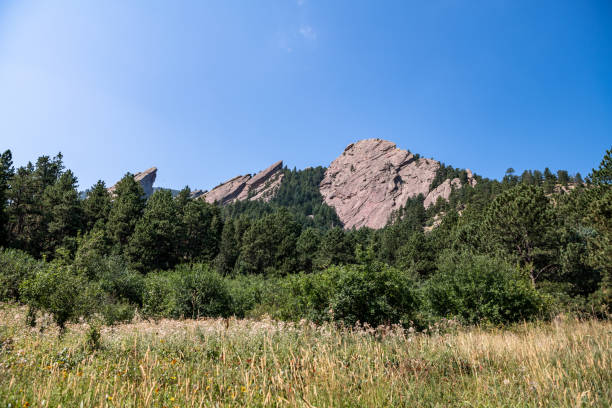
{"type": "Point", "coordinates": [371, 179]}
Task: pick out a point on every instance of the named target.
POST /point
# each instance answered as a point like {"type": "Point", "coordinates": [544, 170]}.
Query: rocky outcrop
{"type": "Point", "coordinates": [443, 190]}
{"type": "Point", "coordinates": [227, 192]}
{"type": "Point", "coordinates": [262, 186]}
{"type": "Point", "coordinates": [471, 179]}
{"type": "Point", "coordinates": [145, 178]}
{"type": "Point", "coordinates": [371, 179]}
{"type": "Point", "coordinates": [197, 194]}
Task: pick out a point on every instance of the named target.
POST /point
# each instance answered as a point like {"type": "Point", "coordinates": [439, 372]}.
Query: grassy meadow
{"type": "Point", "coordinates": [230, 362]}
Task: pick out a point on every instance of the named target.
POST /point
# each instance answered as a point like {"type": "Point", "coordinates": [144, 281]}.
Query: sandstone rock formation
{"type": "Point", "coordinates": [145, 178]}
{"type": "Point", "coordinates": [262, 186]}
{"type": "Point", "coordinates": [197, 194]}
{"type": "Point", "coordinates": [471, 178]}
{"type": "Point", "coordinates": [443, 190]}
{"type": "Point", "coordinates": [371, 179]}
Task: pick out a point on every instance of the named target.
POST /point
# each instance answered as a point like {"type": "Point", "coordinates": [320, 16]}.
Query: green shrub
{"type": "Point", "coordinates": [15, 267]}
{"type": "Point", "coordinates": [159, 297]}
{"type": "Point", "coordinates": [376, 294]}
{"type": "Point", "coordinates": [57, 289]}
{"type": "Point", "coordinates": [189, 291]}
{"type": "Point", "coordinates": [372, 293]}
{"type": "Point", "coordinates": [246, 292]}
{"type": "Point", "coordinates": [122, 283]}
{"type": "Point", "coordinates": [479, 288]}
{"type": "Point", "coordinates": [116, 312]}
{"type": "Point", "coordinates": [202, 293]}
{"type": "Point", "coordinates": [308, 296]}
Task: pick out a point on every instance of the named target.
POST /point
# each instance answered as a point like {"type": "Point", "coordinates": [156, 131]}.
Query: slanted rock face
{"type": "Point", "coordinates": [145, 178]}
{"type": "Point", "coordinates": [197, 194]}
{"type": "Point", "coordinates": [227, 192]}
{"type": "Point", "coordinates": [262, 186]}
{"type": "Point", "coordinates": [443, 190]}
{"type": "Point", "coordinates": [371, 179]}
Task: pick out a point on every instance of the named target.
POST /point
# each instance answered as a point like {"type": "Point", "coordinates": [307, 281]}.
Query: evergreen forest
{"type": "Point", "coordinates": [526, 247]}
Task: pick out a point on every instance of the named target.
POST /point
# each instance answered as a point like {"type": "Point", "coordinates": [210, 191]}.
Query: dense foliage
{"type": "Point", "coordinates": [498, 252]}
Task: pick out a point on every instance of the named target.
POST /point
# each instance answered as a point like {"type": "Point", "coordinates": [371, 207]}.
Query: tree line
{"type": "Point", "coordinates": [499, 251]}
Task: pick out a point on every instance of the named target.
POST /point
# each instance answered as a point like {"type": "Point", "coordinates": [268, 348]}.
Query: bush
{"type": "Point", "coordinates": [60, 291]}
{"type": "Point", "coordinates": [307, 296]}
{"type": "Point", "coordinates": [116, 279]}
{"type": "Point", "coordinates": [15, 267]}
{"type": "Point", "coordinates": [159, 297]}
{"type": "Point", "coordinates": [375, 294]}
{"type": "Point", "coordinates": [478, 288]}
{"type": "Point", "coordinates": [193, 292]}
{"type": "Point", "coordinates": [246, 293]}
{"type": "Point", "coordinates": [202, 292]}
{"type": "Point", "coordinates": [372, 293]}
{"type": "Point", "coordinates": [116, 312]}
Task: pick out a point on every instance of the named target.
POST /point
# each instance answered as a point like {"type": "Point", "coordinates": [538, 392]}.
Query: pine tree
{"type": "Point", "coordinates": [578, 178]}
{"type": "Point", "coordinates": [549, 181]}
{"type": "Point", "coordinates": [600, 217]}
{"type": "Point", "coordinates": [153, 245]}
{"type": "Point", "coordinates": [6, 173]}
{"type": "Point", "coordinates": [228, 248]}
{"type": "Point", "coordinates": [563, 177]}
{"type": "Point", "coordinates": [28, 219]}
{"type": "Point", "coordinates": [520, 222]}
{"type": "Point", "coordinates": [269, 244]}
{"type": "Point", "coordinates": [336, 248]}
{"type": "Point", "coordinates": [603, 175]}
{"type": "Point", "coordinates": [62, 210]}
{"type": "Point", "coordinates": [537, 177]}
{"type": "Point", "coordinates": [307, 246]}
{"type": "Point", "coordinates": [600, 246]}
{"type": "Point", "coordinates": [22, 208]}
{"type": "Point", "coordinates": [96, 206]}
{"type": "Point", "coordinates": [201, 229]}
{"type": "Point", "coordinates": [527, 178]}
{"type": "Point", "coordinates": [128, 205]}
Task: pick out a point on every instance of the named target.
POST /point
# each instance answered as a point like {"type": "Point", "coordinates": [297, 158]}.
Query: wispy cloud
{"type": "Point", "coordinates": [301, 2]}
{"type": "Point", "coordinates": [308, 32]}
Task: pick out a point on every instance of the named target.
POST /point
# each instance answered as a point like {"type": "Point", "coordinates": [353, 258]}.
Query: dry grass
{"type": "Point", "coordinates": [220, 362]}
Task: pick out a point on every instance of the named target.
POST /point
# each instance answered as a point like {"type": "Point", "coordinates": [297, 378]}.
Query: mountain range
{"type": "Point", "coordinates": [366, 184]}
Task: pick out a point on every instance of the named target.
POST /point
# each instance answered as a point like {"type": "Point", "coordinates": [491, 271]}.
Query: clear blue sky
{"type": "Point", "coordinates": [206, 90]}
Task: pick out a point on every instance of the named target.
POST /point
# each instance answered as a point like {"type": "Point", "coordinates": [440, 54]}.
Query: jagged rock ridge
{"type": "Point", "coordinates": [145, 178]}
{"type": "Point", "coordinates": [369, 181]}
{"type": "Point", "coordinates": [262, 186]}
{"type": "Point", "coordinates": [372, 178]}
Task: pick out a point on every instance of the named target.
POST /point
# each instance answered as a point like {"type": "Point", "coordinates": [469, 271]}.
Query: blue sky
{"type": "Point", "coordinates": [206, 90]}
